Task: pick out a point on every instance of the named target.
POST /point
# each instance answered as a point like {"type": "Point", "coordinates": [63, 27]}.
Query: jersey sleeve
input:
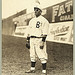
{"type": "Point", "coordinates": [28, 29]}
{"type": "Point", "coordinates": [45, 28]}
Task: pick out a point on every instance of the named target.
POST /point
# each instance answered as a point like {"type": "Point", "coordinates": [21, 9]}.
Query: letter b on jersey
{"type": "Point", "coordinates": [37, 24]}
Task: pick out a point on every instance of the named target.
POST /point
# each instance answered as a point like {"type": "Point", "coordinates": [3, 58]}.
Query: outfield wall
{"type": "Point", "coordinates": [60, 17]}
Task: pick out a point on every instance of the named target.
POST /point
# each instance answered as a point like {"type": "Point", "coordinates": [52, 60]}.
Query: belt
{"type": "Point", "coordinates": [35, 37]}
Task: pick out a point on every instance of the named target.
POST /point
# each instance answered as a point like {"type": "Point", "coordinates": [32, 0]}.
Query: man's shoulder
{"type": "Point", "coordinates": [32, 19]}
{"type": "Point", "coordinates": [44, 19]}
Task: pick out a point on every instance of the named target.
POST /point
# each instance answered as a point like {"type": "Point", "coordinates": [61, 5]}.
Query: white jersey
{"type": "Point", "coordinates": [38, 26]}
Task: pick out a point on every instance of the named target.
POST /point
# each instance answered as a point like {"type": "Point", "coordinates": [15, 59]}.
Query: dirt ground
{"type": "Point", "coordinates": [15, 58]}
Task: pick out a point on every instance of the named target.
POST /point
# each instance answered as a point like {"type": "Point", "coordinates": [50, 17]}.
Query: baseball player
{"type": "Point", "coordinates": [38, 30]}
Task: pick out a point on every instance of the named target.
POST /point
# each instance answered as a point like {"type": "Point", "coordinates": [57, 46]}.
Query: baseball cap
{"type": "Point", "coordinates": [37, 6]}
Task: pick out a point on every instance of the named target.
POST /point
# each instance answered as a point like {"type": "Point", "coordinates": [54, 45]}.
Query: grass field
{"type": "Point", "coordinates": [15, 58]}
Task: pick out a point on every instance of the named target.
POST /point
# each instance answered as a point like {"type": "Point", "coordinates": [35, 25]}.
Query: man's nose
{"type": "Point", "coordinates": [35, 11]}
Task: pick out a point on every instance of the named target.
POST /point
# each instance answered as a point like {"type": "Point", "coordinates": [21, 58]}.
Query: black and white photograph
{"type": "Point", "coordinates": [37, 37]}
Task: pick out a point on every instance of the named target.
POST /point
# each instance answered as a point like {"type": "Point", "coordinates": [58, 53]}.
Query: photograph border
{"type": "Point", "coordinates": [73, 37]}
{"type": "Point", "coordinates": [1, 37]}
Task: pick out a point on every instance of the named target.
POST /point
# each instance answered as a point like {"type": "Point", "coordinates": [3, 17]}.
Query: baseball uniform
{"type": "Point", "coordinates": [38, 26]}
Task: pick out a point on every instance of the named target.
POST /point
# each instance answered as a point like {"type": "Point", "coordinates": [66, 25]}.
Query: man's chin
{"type": "Point", "coordinates": [37, 15]}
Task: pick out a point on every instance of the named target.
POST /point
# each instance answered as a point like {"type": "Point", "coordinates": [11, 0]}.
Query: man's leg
{"type": "Point", "coordinates": [42, 54]}
{"type": "Point", "coordinates": [32, 57]}
{"type": "Point", "coordinates": [44, 63]}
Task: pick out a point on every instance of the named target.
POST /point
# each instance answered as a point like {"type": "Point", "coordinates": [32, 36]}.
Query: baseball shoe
{"type": "Point", "coordinates": [44, 72]}
{"type": "Point", "coordinates": [30, 71]}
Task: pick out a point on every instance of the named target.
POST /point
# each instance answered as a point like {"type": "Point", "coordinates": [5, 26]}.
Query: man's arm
{"type": "Point", "coordinates": [45, 30]}
{"type": "Point", "coordinates": [28, 37]}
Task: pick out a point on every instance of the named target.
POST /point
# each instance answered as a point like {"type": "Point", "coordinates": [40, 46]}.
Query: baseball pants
{"type": "Point", "coordinates": [35, 50]}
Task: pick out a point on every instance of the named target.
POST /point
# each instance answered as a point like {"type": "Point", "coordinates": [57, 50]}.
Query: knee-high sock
{"type": "Point", "coordinates": [43, 66]}
{"type": "Point", "coordinates": [33, 65]}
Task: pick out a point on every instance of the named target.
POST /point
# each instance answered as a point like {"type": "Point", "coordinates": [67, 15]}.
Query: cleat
{"type": "Point", "coordinates": [30, 71]}
{"type": "Point", "coordinates": [44, 72]}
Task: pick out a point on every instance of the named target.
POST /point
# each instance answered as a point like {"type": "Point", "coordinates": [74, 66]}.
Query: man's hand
{"type": "Point", "coordinates": [28, 43]}
{"type": "Point", "coordinates": [42, 45]}
{"type": "Point", "coordinates": [44, 38]}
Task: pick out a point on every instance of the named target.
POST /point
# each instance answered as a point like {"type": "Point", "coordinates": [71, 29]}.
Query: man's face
{"type": "Point", "coordinates": [37, 12]}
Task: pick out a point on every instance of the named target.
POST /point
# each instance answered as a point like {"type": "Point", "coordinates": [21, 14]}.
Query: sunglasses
{"type": "Point", "coordinates": [36, 9]}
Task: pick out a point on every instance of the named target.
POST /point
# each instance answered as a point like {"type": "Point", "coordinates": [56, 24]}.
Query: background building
{"type": "Point", "coordinates": [8, 26]}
